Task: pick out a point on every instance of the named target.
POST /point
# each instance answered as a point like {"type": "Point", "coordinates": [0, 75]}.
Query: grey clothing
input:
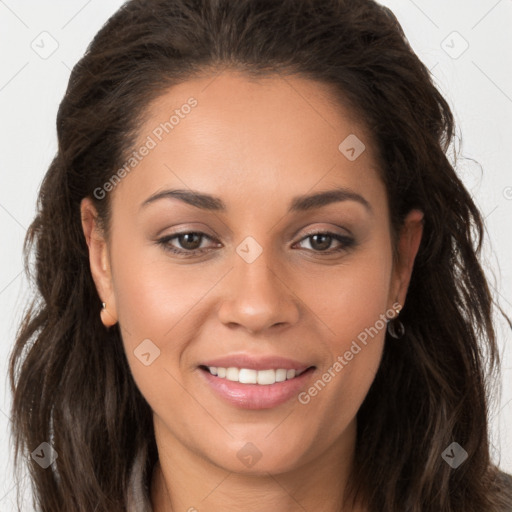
{"type": "Point", "coordinates": [138, 499]}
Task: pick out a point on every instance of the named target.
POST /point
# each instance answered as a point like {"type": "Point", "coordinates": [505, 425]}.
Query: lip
{"type": "Point", "coordinates": [256, 363]}
{"type": "Point", "coordinates": [255, 396]}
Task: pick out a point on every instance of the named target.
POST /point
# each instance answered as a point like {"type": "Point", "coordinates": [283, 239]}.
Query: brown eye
{"type": "Point", "coordinates": [186, 244]}
{"type": "Point", "coordinates": [189, 241]}
{"type": "Point", "coordinates": [322, 241]}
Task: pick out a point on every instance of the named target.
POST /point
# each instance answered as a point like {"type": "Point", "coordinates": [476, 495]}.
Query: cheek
{"type": "Point", "coordinates": [154, 305]}
{"type": "Point", "coordinates": [354, 296]}
{"type": "Point", "coordinates": [355, 327]}
{"type": "Point", "coordinates": [152, 294]}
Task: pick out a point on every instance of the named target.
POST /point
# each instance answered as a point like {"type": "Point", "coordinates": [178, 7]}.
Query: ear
{"type": "Point", "coordinates": [99, 260]}
{"type": "Point", "coordinates": [408, 245]}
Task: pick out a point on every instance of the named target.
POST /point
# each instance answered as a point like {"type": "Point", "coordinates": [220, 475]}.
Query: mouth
{"type": "Point", "coordinates": [248, 388]}
{"type": "Point", "coordinates": [250, 376]}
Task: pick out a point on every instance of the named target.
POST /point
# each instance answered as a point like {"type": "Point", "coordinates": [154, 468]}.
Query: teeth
{"type": "Point", "coordinates": [281, 375]}
{"type": "Point", "coordinates": [248, 376]}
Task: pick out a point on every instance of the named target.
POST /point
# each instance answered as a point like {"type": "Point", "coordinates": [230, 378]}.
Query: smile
{"type": "Point", "coordinates": [255, 389]}
{"type": "Point", "coordinates": [249, 376]}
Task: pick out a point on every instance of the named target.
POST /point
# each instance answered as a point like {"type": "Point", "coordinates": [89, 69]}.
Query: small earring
{"type": "Point", "coordinates": [396, 329]}
{"type": "Point", "coordinates": [106, 317]}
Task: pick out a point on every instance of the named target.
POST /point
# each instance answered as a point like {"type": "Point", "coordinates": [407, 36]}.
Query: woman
{"type": "Point", "coordinates": [258, 274]}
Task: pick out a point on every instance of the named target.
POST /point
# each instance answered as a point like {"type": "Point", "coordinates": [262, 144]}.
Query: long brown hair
{"type": "Point", "coordinates": [72, 386]}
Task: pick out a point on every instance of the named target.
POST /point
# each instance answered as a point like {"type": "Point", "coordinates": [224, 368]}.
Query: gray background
{"type": "Point", "coordinates": [477, 81]}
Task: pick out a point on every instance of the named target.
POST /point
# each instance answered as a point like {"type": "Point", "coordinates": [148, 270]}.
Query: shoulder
{"type": "Point", "coordinates": [503, 486]}
{"type": "Point", "coordinates": [504, 479]}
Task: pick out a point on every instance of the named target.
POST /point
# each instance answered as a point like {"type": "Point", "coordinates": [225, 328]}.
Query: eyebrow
{"type": "Point", "coordinates": [298, 204]}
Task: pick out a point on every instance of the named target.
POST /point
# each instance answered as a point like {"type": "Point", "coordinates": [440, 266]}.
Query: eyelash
{"type": "Point", "coordinates": [347, 242]}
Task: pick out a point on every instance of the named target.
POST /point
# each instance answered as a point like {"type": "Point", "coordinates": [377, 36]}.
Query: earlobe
{"type": "Point", "coordinates": [107, 318]}
{"type": "Point", "coordinates": [408, 245]}
{"type": "Point", "coordinates": [99, 261]}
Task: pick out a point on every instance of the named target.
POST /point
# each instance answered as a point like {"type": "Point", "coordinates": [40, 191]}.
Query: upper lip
{"type": "Point", "coordinates": [256, 362]}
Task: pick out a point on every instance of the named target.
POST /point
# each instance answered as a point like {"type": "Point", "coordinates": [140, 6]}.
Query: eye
{"type": "Point", "coordinates": [322, 240]}
{"type": "Point", "coordinates": [190, 242]}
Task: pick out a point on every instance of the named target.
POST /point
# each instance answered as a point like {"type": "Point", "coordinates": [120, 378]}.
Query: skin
{"type": "Point", "coordinates": [256, 145]}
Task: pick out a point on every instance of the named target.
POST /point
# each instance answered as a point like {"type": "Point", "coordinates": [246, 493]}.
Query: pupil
{"type": "Point", "coordinates": [325, 245]}
{"type": "Point", "coordinates": [187, 243]}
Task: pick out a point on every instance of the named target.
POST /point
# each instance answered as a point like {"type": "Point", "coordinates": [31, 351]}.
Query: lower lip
{"type": "Point", "coordinates": [257, 396]}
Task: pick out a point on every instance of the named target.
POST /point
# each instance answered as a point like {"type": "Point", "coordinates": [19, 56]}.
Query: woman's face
{"type": "Point", "coordinates": [263, 292]}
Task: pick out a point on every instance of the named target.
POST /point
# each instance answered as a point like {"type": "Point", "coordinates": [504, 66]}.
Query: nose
{"type": "Point", "coordinates": [258, 296]}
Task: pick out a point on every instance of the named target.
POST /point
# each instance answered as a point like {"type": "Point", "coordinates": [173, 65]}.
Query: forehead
{"type": "Point", "coordinates": [230, 134]}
